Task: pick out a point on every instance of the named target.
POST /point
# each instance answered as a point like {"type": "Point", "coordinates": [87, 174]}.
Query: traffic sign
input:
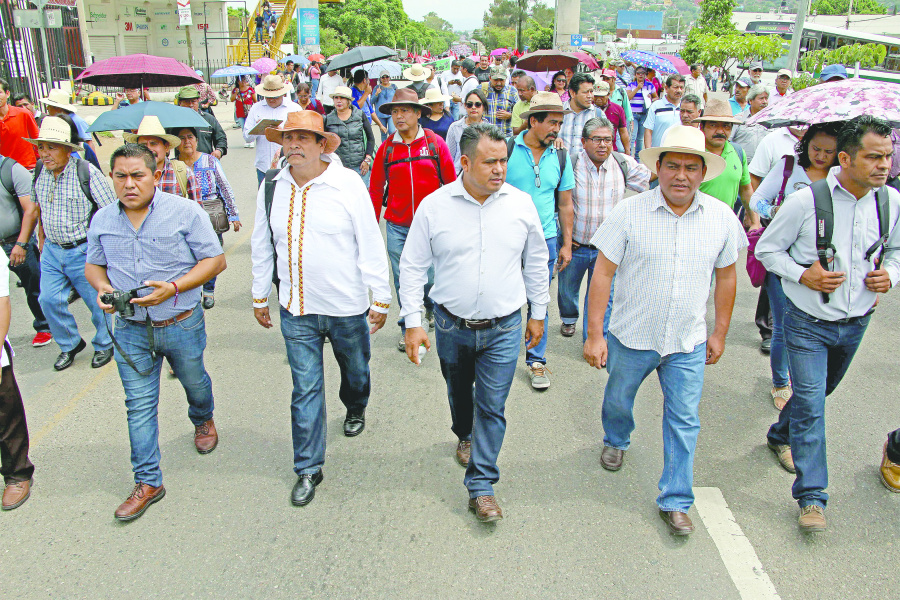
{"type": "Point", "coordinates": [576, 39]}
{"type": "Point", "coordinates": [32, 18]}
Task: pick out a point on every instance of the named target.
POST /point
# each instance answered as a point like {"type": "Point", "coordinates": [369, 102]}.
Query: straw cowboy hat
{"type": "Point", "coordinates": [59, 99]}
{"type": "Point", "coordinates": [342, 91]}
{"type": "Point", "coordinates": [433, 96]}
{"type": "Point", "coordinates": [55, 131]}
{"type": "Point", "coordinates": [273, 86]}
{"type": "Point", "coordinates": [685, 140]}
{"type": "Point", "coordinates": [404, 97]}
{"type": "Point", "coordinates": [304, 120]}
{"type": "Point", "coordinates": [543, 102]}
{"type": "Point", "coordinates": [720, 111]}
{"type": "Point", "coordinates": [151, 127]}
{"type": "Point", "coordinates": [417, 73]}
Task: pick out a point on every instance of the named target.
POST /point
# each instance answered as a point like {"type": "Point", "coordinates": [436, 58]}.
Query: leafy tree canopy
{"type": "Point", "coordinates": [840, 7]}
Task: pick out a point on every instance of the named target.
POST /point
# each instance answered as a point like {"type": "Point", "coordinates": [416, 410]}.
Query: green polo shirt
{"type": "Point", "coordinates": [725, 187]}
{"type": "Point", "coordinates": [519, 107]}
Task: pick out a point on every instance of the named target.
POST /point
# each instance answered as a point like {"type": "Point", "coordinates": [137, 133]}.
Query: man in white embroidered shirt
{"type": "Point", "coordinates": [486, 242]}
{"type": "Point", "coordinates": [315, 232]}
{"type": "Point", "coordinates": [664, 246]}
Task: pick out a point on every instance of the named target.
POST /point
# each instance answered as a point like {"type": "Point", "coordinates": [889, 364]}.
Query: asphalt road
{"type": "Point", "coordinates": [390, 519]}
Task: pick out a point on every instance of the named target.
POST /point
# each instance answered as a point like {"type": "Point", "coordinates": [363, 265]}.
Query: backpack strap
{"type": "Point", "coordinates": [432, 155]}
{"type": "Point", "coordinates": [883, 206]}
{"type": "Point", "coordinates": [623, 164]}
{"type": "Point", "coordinates": [824, 211]}
{"type": "Point", "coordinates": [510, 146]}
{"type": "Point", "coordinates": [6, 167]}
{"type": "Point", "coordinates": [84, 178]}
{"type": "Point", "coordinates": [268, 197]}
{"type": "Point", "coordinates": [739, 150]}
{"type": "Point", "coordinates": [181, 176]}
{"type": "Point", "coordinates": [786, 174]}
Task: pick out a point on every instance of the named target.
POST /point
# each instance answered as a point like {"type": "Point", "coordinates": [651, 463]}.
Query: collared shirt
{"type": "Point", "coordinates": [775, 97]}
{"type": "Point", "coordinates": [789, 242]}
{"type": "Point", "coordinates": [696, 85]}
{"type": "Point", "coordinates": [328, 248]}
{"type": "Point", "coordinates": [452, 88]}
{"type": "Point", "coordinates": [736, 108]}
{"type": "Point", "coordinates": [488, 258]}
{"type": "Point", "coordinates": [14, 128]}
{"type": "Point", "coordinates": [661, 115]}
{"type": "Point", "coordinates": [573, 127]}
{"type": "Point", "coordinates": [520, 107]}
{"type": "Point", "coordinates": [504, 100]}
{"type": "Point", "coordinates": [520, 174]}
{"type": "Point", "coordinates": [665, 265]}
{"type": "Point", "coordinates": [598, 190]}
{"type": "Point", "coordinates": [211, 183]}
{"type": "Point", "coordinates": [749, 137]}
{"type": "Point", "coordinates": [327, 85]}
{"type": "Point", "coordinates": [169, 184]}
{"type": "Point", "coordinates": [618, 96]}
{"type": "Point", "coordinates": [65, 211]}
{"type": "Point", "coordinates": [454, 133]}
{"type": "Point", "coordinates": [266, 150]}
{"type": "Point", "coordinates": [175, 235]}
{"type": "Point", "coordinates": [772, 149]}
{"type": "Point", "coordinates": [726, 186]}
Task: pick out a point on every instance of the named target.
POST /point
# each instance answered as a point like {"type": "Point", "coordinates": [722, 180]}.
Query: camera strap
{"type": "Point", "coordinates": [127, 358]}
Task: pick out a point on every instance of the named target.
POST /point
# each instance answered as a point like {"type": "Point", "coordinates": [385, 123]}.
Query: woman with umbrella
{"type": "Point", "coordinates": [642, 93]}
{"type": "Point", "coordinates": [243, 97]}
{"type": "Point", "coordinates": [216, 195]}
{"type": "Point", "coordinates": [352, 126]}
{"type": "Point", "coordinates": [560, 84]}
{"type": "Point", "coordinates": [474, 103]}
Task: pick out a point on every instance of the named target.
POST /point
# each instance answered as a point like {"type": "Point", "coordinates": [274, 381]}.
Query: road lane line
{"type": "Point", "coordinates": [737, 553]}
{"type": "Point", "coordinates": [103, 374]}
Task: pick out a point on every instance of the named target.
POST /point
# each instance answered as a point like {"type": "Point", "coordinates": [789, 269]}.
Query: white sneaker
{"type": "Point", "coordinates": [250, 145]}
{"type": "Point", "coordinates": [539, 378]}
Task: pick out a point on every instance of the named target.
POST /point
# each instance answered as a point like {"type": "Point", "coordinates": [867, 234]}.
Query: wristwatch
{"type": "Point", "coordinates": [22, 245]}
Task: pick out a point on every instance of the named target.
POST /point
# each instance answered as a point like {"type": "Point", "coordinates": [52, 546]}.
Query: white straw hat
{"type": "Point", "coordinates": [151, 127]}
{"type": "Point", "coordinates": [685, 140]}
{"type": "Point", "coordinates": [59, 99]}
{"type": "Point", "coordinates": [432, 96]}
{"type": "Point", "coordinates": [273, 86]}
{"type": "Point", "coordinates": [55, 131]}
{"type": "Point", "coordinates": [417, 72]}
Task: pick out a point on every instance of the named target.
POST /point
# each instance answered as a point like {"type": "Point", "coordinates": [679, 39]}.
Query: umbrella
{"type": "Point", "coordinates": [661, 64]}
{"type": "Point", "coordinates": [374, 69]}
{"type": "Point", "coordinates": [130, 117]}
{"type": "Point", "coordinates": [359, 56]}
{"type": "Point", "coordinates": [547, 60]}
{"type": "Point", "coordinates": [296, 58]}
{"type": "Point", "coordinates": [830, 102]}
{"type": "Point", "coordinates": [587, 59]}
{"type": "Point", "coordinates": [499, 51]}
{"type": "Point", "coordinates": [235, 71]}
{"type": "Point", "coordinates": [139, 71]}
{"type": "Point", "coordinates": [679, 63]}
{"type": "Point", "coordinates": [264, 65]}
{"type": "Point", "coordinates": [316, 57]}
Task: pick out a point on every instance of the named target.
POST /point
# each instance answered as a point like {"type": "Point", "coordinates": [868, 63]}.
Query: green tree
{"type": "Point", "coordinates": [512, 15]}
{"type": "Point", "coordinates": [239, 12]}
{"type": "Point", "coordinates": [442, 35]}
{"type": "Point", "coordinates": [726, 51]}
{"type": "Point", "coordinates": [867, 55]}
{"type": "Point", "coordinates": [537, 36]}
{"type": "Point", "coordinates": [715, 19]}
{"type": "Point", "coordinates": [840, 7]}
{"type": "Point", "coordinates": [330, 41]}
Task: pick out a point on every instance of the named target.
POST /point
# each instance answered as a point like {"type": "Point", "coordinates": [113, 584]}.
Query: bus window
{"type": "Point", "coordinates": [892, 62]}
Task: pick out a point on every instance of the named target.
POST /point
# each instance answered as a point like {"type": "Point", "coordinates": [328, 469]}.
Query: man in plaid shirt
{"type": "Point", "coordinates": [176, 178]}
{"type": "Point", "coordinates": [501, 99]}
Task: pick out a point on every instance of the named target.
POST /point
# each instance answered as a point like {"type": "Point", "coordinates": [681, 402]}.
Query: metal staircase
{"type": "Point", "coordinates": [242, 53]}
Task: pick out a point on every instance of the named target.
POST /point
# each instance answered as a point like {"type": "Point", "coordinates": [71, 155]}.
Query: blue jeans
{"type": "Point", "coordinates": [454, 110]}
{"type": "Point", "coordinates": [778, 359]}
{"type": "Point", "coordinates": [487, 359]}
{"type": "Point", "coordinates": [396, 239]}
{"type": "Point", "coordinates": [637, 132]}
{"type": "Point", "coordinates": [681, 379]}
{"type": "Point", "coordinates": [259, 34]}
{"type": "Point", "coordinates": [260, 175]}
{"type": "Point", "coordinates": [539, 352]}
{"type": "Point", "coordinates": [62, 270]}
{"type": "Point", "coordinates": [29, 273]}
{"type": "Point", "coordinates": [819, 353]}
{"type": "Point", "coordinates": [313, 87]}
{"type": "Point", "coordinates": [210, 286]}
{"type": "Point", "coordinates": [583, 259]}
{"type": "Point", "coordinates": [304, 338]}
{"type": "Point", "coordinates": [239, 121]}
{"type": "Point", "coordinates": [182, 343]}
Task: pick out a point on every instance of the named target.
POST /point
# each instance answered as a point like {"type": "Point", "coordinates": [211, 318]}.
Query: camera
{"type": "Point", "coordinates": [121, 300]}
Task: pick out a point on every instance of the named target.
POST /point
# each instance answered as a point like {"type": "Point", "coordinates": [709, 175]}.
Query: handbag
{"type": "Point", "coordinates": [755, 269]}
{"type": "Point", "coordinates": [215, 208]}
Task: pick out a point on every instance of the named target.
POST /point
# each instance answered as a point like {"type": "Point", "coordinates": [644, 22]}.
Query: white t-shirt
{"type": "Point", "coordinates": [771, 148]}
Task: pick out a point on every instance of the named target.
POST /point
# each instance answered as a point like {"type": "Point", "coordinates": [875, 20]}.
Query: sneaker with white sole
{"type": "Point", "coordinates": [539, 378]}
{"type": "Point", "coordinates": [42, 338]}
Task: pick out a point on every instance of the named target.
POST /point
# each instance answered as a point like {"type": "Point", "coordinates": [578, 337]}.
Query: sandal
{"type": "Point", "coordinates": [781, 397]}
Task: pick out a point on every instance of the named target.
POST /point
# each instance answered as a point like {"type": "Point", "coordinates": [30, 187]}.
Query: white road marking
{"type": "Point", "coordinates": [737, 553]}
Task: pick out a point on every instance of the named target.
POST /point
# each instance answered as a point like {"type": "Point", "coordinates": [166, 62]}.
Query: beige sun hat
{"type": "Point", "coordinates": [304, 120]}
{"type": "Point", "coordinates": [417, 72]}
{"type": "Point", "coordinates": [342, 91]}
{"type": "Point", "coordinates": [433, 96]}
{"type": "Point", "coordinates": [273, 86]}
{"type": "Point", "coordinates": [718, 110]}
{"type": "Point", "coordinates": [59, 99]}
{"type": "Point", "coordinates": [544, 102]}
{"type": "Point", "coordinates": [151, 127]}
{"type": "Point", "coordinates": [55, 131]}
{"type": "Point", "coordinates": [685, 140]}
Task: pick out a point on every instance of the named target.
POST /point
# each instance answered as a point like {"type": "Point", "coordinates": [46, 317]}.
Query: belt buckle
{"type": "Point", "coordinates": [477, 324]}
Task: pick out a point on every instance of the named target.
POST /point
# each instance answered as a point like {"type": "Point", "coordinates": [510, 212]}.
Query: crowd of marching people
{"type": "Point", "coordinates": [643, 188]}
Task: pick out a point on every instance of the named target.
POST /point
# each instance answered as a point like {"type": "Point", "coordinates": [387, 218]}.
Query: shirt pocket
{"type": "Point", "coordinates": [328, 223]}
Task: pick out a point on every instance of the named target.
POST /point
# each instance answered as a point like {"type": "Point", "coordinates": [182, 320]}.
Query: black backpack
{"type": "Point", "coordinates": [269, 195]}
{"type": "Point", "coordinates": [825, 223]}
{"type": "Point", "coordinates": [84, 179]}
{"type": "Point", "coordinates": [388, 163]}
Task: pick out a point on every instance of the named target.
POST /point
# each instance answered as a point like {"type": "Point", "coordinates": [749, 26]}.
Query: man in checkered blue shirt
{"type": "Point", "coordinates": [501, 98]}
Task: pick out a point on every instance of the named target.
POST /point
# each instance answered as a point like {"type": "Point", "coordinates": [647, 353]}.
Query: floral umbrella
{"type": "Point", "coordinates": [661, 64]}
{"type": "Point", "coordinates": [264, 65]}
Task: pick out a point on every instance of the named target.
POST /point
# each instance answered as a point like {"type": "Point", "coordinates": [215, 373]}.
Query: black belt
{"type": "Point", "coordinates": [854, 320]}
{"type": "Point", "coordinates": [474, 324]}
{"type": "Point", "coordinates": [591, 246]}
{"type": "Point", "coordinates": [70, 245]}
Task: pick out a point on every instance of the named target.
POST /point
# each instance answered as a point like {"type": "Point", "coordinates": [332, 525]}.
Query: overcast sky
{"type": "Point", "coordinates": [464, 14]}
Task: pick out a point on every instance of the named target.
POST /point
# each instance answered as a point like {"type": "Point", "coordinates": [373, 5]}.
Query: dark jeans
{"type": "Point", "coordinates": [396, 240]}
{"type": "Point", "coordinates": [14, 463]}
{"type": "Point", "coordinates": [763, 316]}
{"type": "Point", "coordinates": [539, 353]}
{"type": "Point", "coordinates": [893, 446]}
{"type": "Point", "coordinates": [29, 273]}
{"type": "Point", "coordinates": [304, 338]}
{"type": "Point", "coordinates": [479, 367]}
{"type": "Point", "coordinates": [210, 286]}
{"type": "Point", "coordinates": [819, 353]}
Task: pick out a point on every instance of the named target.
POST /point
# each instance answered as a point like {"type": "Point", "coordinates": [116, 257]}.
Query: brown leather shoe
{"type": "Point", "coordinates": [142, 496]}
{"type": "Point", "coordinates": [205, 437]}
{"type": "Point", "coordinates": [15, 494]}
{"type": "Point", "coordinates": [890, 473]}
{"type": "Point", "coordinates": [812, 518]}
{"type": "Point", "coordinates": [783, 454]}
{"type": "Point", "coordinates": [611, 459]}
{"type": "Point", "coordinates": [679, 523]}
{"type": "Point", "coordinates": [567, 329]}
{"type": "Point", "coordinates": [463, 452]}
{"type": "Point", "coordinates": [485, 508]}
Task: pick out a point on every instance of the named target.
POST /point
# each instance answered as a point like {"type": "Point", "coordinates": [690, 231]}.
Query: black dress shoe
{"type": "Point", "coordinates": [65, 359]}
{"type": "Point", "coordinates": [305, 489]}
{"type": "Point", "coordinates": [765, 346]}
{"type": "Point", "coordinates": [101, 357]}
{"type": "Point", "coordinates": [354, 423]}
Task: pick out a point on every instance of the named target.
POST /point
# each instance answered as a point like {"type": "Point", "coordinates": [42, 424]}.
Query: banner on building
{"type": "Point", "coordinates": [309, 26]}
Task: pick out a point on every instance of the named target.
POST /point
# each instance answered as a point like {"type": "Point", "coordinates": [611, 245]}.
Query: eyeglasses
{"type": "Point", "coordinates": [473, 104]}
{"type": "Point", "coordinates": [601, 140]}
{"type": "Point", "coordinates": [537, 176]}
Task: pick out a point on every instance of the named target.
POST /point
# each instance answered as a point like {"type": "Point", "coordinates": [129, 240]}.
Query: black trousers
{"type": "Point", "coordinates": [14, 463]}
{"type": "Point", "coordinates": [893, 446]}
{"type": "Point", "coordinates": [763, 314]}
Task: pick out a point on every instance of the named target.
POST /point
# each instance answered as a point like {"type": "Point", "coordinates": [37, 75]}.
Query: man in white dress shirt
{"type": "Point", "coordinates": [486, 242]}
{"type": "Point", "coordinates": [828, 308]}
{"type": "Point", "coordinates": [320, 244]}
{"type": "Point", "coordinates": [274, 105]}
{"type": "Point", "coordinates": [664, 246]}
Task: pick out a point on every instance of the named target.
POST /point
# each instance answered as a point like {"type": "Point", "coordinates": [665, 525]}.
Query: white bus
{"type": "Point", "coordinates": [823, 37]}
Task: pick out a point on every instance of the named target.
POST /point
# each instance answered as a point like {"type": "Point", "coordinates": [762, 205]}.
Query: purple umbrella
{"type": "Point", "coordinates": [499, 51]}
{"type": "Point", "coordinates": [830, 102]}
{"type": "Point", "coordinates": [139, 71]}
{"type": "Point", "coordinates": [264, 65]}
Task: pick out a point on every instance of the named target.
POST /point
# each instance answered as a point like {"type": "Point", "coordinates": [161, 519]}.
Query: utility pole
{"type": "Point", "coordinates": [849, 11]}
{"type": "Point", "coordinates": [190, 49]}
{"type": "Point", "coordinates": [797, 36]}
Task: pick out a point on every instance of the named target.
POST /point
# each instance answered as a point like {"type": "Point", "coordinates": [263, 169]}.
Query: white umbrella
{"type": "Point", "coordinates": [375, 69]}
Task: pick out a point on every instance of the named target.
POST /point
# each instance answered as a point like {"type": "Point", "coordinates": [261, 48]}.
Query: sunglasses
{"type": "Point", "coordinates": [473, 104]}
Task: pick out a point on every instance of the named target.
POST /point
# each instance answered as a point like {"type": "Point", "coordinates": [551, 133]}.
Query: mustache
{"type": "Point", "coordinates": [719, 136]}
{"type": "Point", "coordinates": [299, 153]}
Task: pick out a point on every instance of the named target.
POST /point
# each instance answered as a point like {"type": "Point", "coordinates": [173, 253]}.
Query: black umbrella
{"type": "Point", "coordinates": [359, 56]}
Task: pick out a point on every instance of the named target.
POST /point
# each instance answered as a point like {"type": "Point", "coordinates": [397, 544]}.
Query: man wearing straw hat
{"type": "Point", "coordinates": [175, 177]}
{"type": "Point", "coordinates": [664, 246]}
{"type": "Point", "coordinates": [57, 103]}
{"type": "Point", "coordinates": [418, 75]}
{"type": "Point", "coordinates": [273, 90]}
{"type": "Point", "coordinates": [65, 210]}
{"type": "Point", "coordinates": [316, 235]}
